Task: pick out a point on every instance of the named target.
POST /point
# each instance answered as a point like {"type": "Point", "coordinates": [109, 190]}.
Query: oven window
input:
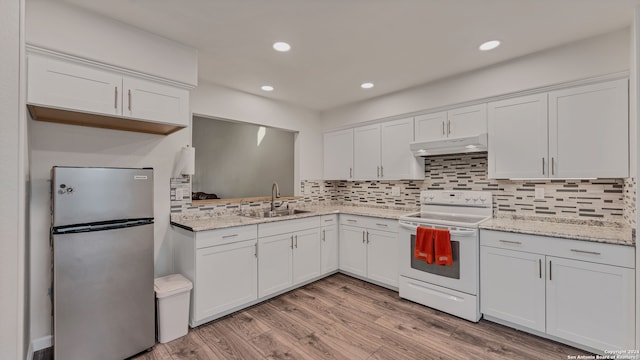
{"type": "Point", "coordinates": [446, 271]}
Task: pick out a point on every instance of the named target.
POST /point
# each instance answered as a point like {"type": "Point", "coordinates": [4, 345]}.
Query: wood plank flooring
{"type": "Point", "coordinates": [340, 317]}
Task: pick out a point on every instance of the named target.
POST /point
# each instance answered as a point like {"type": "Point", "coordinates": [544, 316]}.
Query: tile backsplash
{"type": "Point", "coordinates": [603, 199]}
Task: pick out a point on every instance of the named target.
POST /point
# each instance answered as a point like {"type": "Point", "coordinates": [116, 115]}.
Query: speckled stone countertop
{"type": "Point", "coordinates": [587, 230]}
{"type": "Point", "coordinates": [203, 222]}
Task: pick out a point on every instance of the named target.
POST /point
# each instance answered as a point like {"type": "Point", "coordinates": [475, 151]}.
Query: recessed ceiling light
{"type": "Point", "coordinates": [281, 46]}
{"type": "Point", "coordinates": [267, 87]}
{"type": "Point", "coordinates": [366, 85]}
{"type": "Point", "coordinates": [489, 45]}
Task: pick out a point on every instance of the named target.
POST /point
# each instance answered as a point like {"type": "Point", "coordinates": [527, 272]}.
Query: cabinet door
{"type": "Point", "coordinates": [518, 137]}
{"type": "Point", "coordinates": [226, 277]}
{"type": "Point", "coordinates": [591, 304]}
{"type": "Point", "coordinates": [382, 257]}
{"type": "Point", "coordinates": [275, 268]}
{"type": "Point", "coordinates": [329, 247]}
{"type": "Point", "coordinates": [431, 126]}
{"type": "Point", "coordinates": [338, 155]}
{"type": "Point", "coordinates": [512, 286]}
{"type": "Point", "coordinates": [467, 121]}
{"type": "Point", "coordinates": [397, 161]}
{"type": "Point", "coordinates": [589, 131]}
{"type": "Point", "coordinates": [353, 250]}
{"type": "Point", "coordinates": [67, 85]}
{"type": "Point", "coordinates": [148, 100]}
{"type": "Point", "coordinates": [366, 152]}
{"type": "Point", "coordinates": [306, 255]}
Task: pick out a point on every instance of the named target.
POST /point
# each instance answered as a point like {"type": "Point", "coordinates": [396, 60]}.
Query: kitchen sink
{"type": "Point", "coordinates": [275, 213]}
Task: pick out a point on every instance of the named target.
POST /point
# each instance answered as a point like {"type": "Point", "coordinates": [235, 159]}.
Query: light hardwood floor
{"type": "Point", "coordinates": [340, 317]}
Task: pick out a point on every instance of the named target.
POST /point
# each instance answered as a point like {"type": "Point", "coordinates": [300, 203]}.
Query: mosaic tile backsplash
{"type": "Point", "coordinates": [603, 199]}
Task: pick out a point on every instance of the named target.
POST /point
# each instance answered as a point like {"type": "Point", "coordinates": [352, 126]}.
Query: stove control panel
{"type": "Point", "coordinates": [456, 197]}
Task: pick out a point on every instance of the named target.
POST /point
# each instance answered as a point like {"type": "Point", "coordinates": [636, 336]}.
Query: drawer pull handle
{"type": "Point", "coordinates": [351, 220]}
{"type": "Point", "coordinates": [328, 220]}
{"type": "Point", "coordinates": [540, 268]}
{"type": "Point", "coordinates": [385, 225]}
{"type": "Point", "coordinates": [229, 236]}
{"type": "Point", "coordinates": [511, 242]}
{"type": "Point", "coordinates": [550, 271]}
{"type": "Point", "coordinates": [586, 252]}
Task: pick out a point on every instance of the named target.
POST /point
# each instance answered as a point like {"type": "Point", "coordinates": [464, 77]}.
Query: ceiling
{"type": "Point", "coordinates": [338, 44]}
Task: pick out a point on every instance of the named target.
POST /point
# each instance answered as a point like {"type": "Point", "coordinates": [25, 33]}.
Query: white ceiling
{"type": "Point", "coordinates": [338, 44]}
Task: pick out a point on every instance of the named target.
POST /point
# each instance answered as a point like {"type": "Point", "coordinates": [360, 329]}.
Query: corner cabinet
{"type": "Point", "coordinates": [368, 249]}
{"type": "Point", "coordinates": [338, 155]}
{"type": "Point", "coordinates": [72, 91]}
{"type": "Point", "coordinates": [329, 247]}
{"type": "Point", "coordinates": [578, 132]}
{"type": "Point", "coordinates": [223, 266]}
{"type": "Point", "coordinates": [578, 292]}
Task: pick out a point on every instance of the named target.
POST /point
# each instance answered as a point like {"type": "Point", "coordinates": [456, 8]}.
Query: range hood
{"type": "Point", "coordinates": [459, 145]}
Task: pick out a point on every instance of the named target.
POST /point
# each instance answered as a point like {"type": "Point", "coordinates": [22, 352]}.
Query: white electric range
{"type": "Point", "coordinates": [452, 289]}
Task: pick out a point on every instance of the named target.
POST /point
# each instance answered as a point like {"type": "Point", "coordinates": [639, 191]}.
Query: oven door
{"type": "Point", "coordinates": [461, 276]}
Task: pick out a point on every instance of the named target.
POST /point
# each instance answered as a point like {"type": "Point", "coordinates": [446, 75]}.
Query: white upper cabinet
{"type": "Point", "coordinates": [579, 132]}
{"type": "Point", "coordinates": [338, 155]}
{"type": "Point", "coordinates": [467, 121]}
{"type": "Point", "coordinates": [461, 122]}
{"type": "Point", "coordinates": [589, 131]}
{"type": "Point", "coordinates": [366, 152]}
{"type": "Point", "coordinates": [396, 160]}
{"type": "Point", "coordinates": [431, 126]}
{"type": "Point", "coordinates": [73, 86]}
{"type": "Point", "coordinates": [518, 137]}
{"type": "Point", "coordinates": [88, 94]}
{"type": "Point", "coordinates": [372, 152]}
{"type": "Point", "coordinates": [149, 100]}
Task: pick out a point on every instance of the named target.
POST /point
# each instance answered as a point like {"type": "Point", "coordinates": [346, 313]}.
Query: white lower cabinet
{"type": "Point", "coordinates": [591, 304]}
{"type": "Point", "coordinates": [329, 247]}
{"type": "Point", "coordinates": [574, 291]}
{"type": "Point", "coordinates": [223, 266]}
{"type": "Point", "coordinates": [237, 262]}
{"type": "Point", "coordinates": [288, 254]}
{"type": "Point", "coordinates": [368, 248]}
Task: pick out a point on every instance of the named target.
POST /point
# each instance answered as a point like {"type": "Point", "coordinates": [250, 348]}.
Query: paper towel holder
{"type": "Point", "coordinates": [185, 165]}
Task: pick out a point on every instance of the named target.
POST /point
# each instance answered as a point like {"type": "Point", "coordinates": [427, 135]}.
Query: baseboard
{"type": "Point", "coordinates": [42, 343]}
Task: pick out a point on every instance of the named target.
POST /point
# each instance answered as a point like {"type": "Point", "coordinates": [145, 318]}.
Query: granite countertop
{"type": "Point", "coordinates": [206, 222]}
{"type": "Point", "coordinates": [587, 230]}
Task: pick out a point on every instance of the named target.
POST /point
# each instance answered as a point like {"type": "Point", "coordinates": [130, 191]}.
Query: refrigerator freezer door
{"type": "Point", "coordinates": [87, 195]}
{"type": "Point", "coordinates": [103, 293]}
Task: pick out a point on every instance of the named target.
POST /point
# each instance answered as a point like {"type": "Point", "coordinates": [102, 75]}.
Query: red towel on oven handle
{"type": "Point", "coordinates": [424, 244]}
{"type": "Point", "coordinates": [442, 245]}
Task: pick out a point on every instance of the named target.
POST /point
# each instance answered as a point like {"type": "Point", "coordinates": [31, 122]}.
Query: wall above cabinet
{"type": "Point", "coordinates": [68, 90]}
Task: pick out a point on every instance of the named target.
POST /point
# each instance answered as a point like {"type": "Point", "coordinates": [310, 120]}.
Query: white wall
{"type": "Point", "coordinates": [57, 26]}
{"type": "Point", "coordinates": [604, 54]}
{"type": "Point", "coordinates": [634, 90]}
{"type": "Point", "coordinates": [12, 190]}
{"type": "Point", "coordinates": [61, 27]}
{"type": "Point", "coordinates": [209, 100]}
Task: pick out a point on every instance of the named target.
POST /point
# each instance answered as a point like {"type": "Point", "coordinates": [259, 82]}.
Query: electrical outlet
{"type": "Point", "coordinates": [179, 194]}
{"type": "Point", "coordinates": [307, 189]}
{"type": "Point", "coordinates": [539, 193]}
{"type": "Point", "coordinates": [395, 191]}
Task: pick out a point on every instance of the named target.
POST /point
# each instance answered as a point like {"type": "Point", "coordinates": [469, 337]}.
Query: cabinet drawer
{"type": "Point", "coordinates": [369, 222]}
{"type": "Point", "coordinates": [326, 220]}
{"type": "Point", "coordinates": [287, 226]}
{"type": "Point", "coordinates": [610, 254]}
{"type": "Point", "coordinates": [225, 236]}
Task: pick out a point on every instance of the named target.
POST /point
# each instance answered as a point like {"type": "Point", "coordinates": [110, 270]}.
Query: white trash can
{"type": "Point", "coordinates": [172, 296]}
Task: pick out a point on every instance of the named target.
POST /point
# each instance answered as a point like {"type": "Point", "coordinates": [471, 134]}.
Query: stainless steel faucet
{"type": "Point", "coordinates": [275, 193]}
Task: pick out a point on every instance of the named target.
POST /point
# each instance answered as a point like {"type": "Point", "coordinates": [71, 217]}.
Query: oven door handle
{"type": "Point", "coordinates": [453, 232]}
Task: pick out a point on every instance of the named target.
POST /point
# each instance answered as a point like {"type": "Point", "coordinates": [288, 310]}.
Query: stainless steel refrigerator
{"type": "Point", "coordinates": [102, 239]}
